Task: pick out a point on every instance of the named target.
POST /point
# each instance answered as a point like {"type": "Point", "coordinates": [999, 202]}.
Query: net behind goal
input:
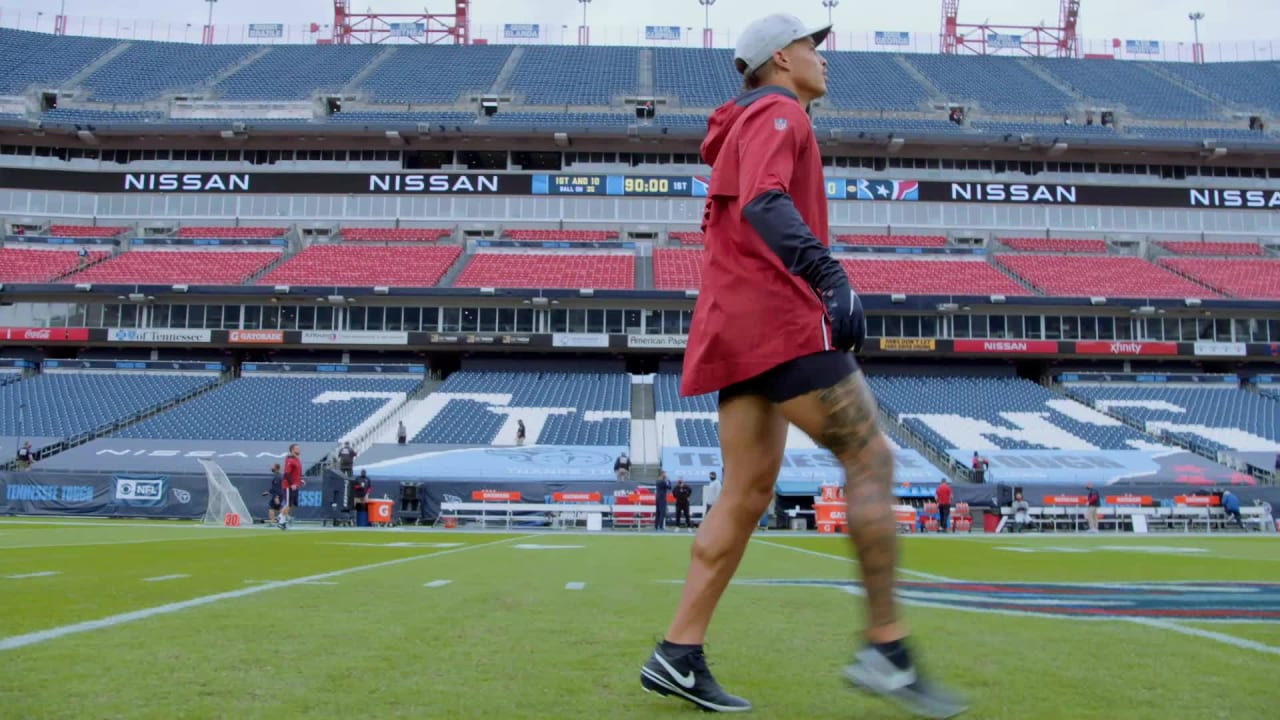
{"type": "Point", "coordinates": [226, 507]}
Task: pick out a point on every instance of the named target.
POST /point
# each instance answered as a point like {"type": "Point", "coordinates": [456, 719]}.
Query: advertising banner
{"type": "Point", "coordinates": [255, 337]}
{"type": "Point", "coordinates": [32, 334]}
{"type": "Point", "coordinates": [486, 464]}
{"type": "Point", "coordinates": [804, 471]}
{"type": "Point", "coordinates": [1125, 347]}
{"type": "Point", "coordinates": [1101, 467]}
{"type": "Point", "coordinates": [657, 342]}
{"type": "Point", "coordinates": [892, 38]}
{"type": "Point", "coordinates": [135, 335]}
{"type": "Point", "coordinates": [1006, 347]}
{"type": "Point", "coordinates": [178, 456]}
{"type": "Point", "coordinates": [661, 32]}
{"type": "Point", "coordinates": [1142, 47]}
{"type": "Point", "coordinates": [354, 337]}
{"type": "Point", "coordinates": [1220, 349]}
{"type": "Point", "coordinates": [580, 340]}
{"type": "Point", "coordinates": [908, 344]}
{"type": "Point", "coordinates": [517, 31]}
{"type": "Point", "coordinates": [266, 30]}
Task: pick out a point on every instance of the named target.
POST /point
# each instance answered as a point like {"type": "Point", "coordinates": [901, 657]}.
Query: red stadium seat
{"type": "Point", "coordinates": [373, 234]}
{"type": "Point", "coordinates": [195, 267]}
{"type": "Point", "coordinates": [231, 233]}
{"type": "Point", "coordinates": [34, 266]}
{"type": "Point", "coordinates": [1188, 247]}
{"type": "Point", "coordinates": [1120, 277]}
{"type": "Point", "coordinates": [1055, 245]}
{"type": "Point", "coordinates": [369, 266]}
{"type": "Point", "coordinates": [687, 237]}
{"type": "Point", "coordinates": [563, 235]}
{"type": "Point", "coordinates": [931, 277]}
{"type": "Point", "coordinates": [84, 231]}
{"type": "Point", "coordinates": [548, 270]}
{"type": "Point", "coordinates": [892, 240]}
{"type": "Point", "coordinates": [1245, 279]}
{"type": "Point", "coordinates": [677, 269]}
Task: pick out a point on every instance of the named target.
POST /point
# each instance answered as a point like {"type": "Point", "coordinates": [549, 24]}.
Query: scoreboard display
{"type": "Point", "coordinates": [620, 185]}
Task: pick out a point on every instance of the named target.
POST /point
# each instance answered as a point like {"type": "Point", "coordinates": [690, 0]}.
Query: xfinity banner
{"type": "Point", "coordinates": [803, 472]}
{"type": "Point", "coordinates": [1100, 467]}
{"type": "Point", "coordinates": [179, 456]}
{"type": "Point", "coordinates": [853, 189]}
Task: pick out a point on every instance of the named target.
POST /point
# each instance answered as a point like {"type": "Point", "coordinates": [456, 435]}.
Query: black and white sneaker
{"type": "Point", "coordinates": [875, 673]}
{"type": "Point", "coordinates": [688, 678]}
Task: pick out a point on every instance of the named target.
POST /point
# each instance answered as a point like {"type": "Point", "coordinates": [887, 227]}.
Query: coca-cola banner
{"type": "Point", "coordinates": [28, 334]}
{"type": "Point", "coordinates": [1007, 347]}
{"type": "Point", "coordinates": [1125, 347]}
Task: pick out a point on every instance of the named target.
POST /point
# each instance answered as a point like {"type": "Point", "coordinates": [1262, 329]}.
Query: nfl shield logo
{"type": "Point", "coordinates": [780, 124]}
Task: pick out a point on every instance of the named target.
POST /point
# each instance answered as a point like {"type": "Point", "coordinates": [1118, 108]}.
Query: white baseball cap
{"type": "Point", "coordinates": [766, 36]}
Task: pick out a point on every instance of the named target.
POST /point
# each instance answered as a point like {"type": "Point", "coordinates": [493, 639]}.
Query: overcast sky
{"type": "Point", "coordinates": [1225, 20]}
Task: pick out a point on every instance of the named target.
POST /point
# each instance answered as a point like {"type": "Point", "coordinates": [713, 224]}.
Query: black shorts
{"type": "Point", "coordinates": [291, 497]}
{"type": "Point", "coordinates": [274, 502]}
{"type": "Point", "coordinates": [796, 377]}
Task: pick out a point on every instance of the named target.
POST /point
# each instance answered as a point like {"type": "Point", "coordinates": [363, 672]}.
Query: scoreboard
{"type": "Point", "coordinates": [621, 185]}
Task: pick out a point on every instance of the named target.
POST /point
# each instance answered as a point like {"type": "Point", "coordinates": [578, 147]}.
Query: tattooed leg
{"type": "Point", "coordinates": [842, 419]}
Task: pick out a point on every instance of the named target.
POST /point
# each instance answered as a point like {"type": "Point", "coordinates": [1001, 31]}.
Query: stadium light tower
{"type": "Point", "coordinates": [584, 33]}
{"type": "Point", "coordinates": [60, 22]}
{"type": "Point", "coordinates": [830, 5]}
{"type": "Point", "coordinates": [708, 36]}
{"type": "Point", "coordinates": [207, 38]}
{"type": "Point", "coordinates": [1197, 52]}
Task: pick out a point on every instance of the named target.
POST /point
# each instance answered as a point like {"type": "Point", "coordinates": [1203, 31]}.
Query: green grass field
{"type": "Point", "coordinates": [216, 623]}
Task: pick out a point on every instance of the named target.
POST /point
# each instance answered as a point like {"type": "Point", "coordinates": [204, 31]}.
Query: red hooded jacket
{"type": "Point", "coordinates": [753, 313]}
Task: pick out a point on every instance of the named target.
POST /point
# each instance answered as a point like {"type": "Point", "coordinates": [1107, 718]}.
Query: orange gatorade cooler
{"type": "Point", "coordinates": [380, 511]}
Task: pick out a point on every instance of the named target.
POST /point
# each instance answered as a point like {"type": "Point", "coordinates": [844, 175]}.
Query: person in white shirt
{"type": "Point", "coordinates": [710, 494]}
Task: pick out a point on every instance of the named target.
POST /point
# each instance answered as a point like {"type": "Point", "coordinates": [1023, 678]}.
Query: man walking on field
{"type": "Point", "coordinates": [292, 483]}
{"type": "Point", "coordinates": [772, 332]}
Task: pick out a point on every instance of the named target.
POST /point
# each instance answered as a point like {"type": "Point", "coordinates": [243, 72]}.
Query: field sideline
{"type": "Point", "coordinates": [108, 619]}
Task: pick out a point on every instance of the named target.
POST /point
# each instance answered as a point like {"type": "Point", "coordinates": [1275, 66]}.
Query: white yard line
{"type": "Point", "coordinates": [163, 578]}
{"type": "Point", "coordinates": [437, 583]}
{"type": "Point", "coordinates": [46, 573]}
{"type": "Point", "coordinates": [1232, 640]}
{"type": "Point", "coordinates": [829, 556]}
{"type": "Point", "coordinates": [123, 542]}
{"type": "Point", "coordinates": [574, 585]}
{"type": "Point", "coordinates": [42, 636]}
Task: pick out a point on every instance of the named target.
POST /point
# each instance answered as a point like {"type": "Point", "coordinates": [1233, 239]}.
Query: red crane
{"type": "Point", "coordinates": [424, 28]}
{"type": "Point", "coordinates": [988, 39]}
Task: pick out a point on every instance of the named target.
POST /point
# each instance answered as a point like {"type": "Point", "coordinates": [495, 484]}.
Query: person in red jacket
{"type": "Point", "coordinates": [291, 484]}
{"type": "Point", "coordinates": [943, 494]}
{"type": "Point", "coordinates": [773, 327]}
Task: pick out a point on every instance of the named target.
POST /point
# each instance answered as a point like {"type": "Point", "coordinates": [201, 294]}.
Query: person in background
{"type": "Point", "coordinates": [1021, 513]}
{"type": "Point", "coordinates": [622, 468]}
{"type": "Point", "coordinates": [360, 488]}
{"type": "Point", "coordinates": [711, 493]}
{"type": "Point", "coordinates": [660, 491]}
{"type": "Point", "coordinates": [1231, 504]}
{"type": "Point", "coordinates": [291, 484]}
{"type": "Point", "coordinates": [1267, 520]}
{"type": "Point", "coordinates": [682, 492]}
{"type": "Point", "coordinates": [25, 455]}
{"type": "Point", "coordinates": [273, 494]}
{"type": "Point", "coordinates": [519, 432]}
{"type": "Point", "coordinates": [346, 459]}
{"type": "Point", "coordinates": [1092, 503]}
{"type": "Point", "coordinates": [943, 494]}
{"type": "Point", "coordinates": [402, 435]}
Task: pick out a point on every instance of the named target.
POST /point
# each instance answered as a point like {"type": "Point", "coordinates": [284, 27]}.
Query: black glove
{"type": "Point", "coordinates": [848, 322]}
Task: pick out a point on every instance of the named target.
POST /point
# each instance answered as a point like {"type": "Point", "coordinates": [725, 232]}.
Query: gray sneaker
{"type": "Point", "coordinates": [873, 672]}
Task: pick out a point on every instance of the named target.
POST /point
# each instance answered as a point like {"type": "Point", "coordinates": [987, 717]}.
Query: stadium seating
{"type": "Point", "coordinates": [887, 125]}
{"type": "Point", "coordinates": [1186, 247]}
{"type": "Point", "coordinates": [1045, 130]}
{"type": "Point", "coordinates": [554, 406]}
{"type": "Point", "coordinates": [375, 234]}
{"type": "Point", "coordinates": [28, 58]}
{"type": "Point", "coordinates": [147, 70]}
{"type": "Point", "coordinates": [1010, 413]}
{"type": "Point", "coordinates": [297, 72]}
{"type": "Point", "coordinates": [1132, 85]}
{"type": "Point", "coordinates": [872, 81]}
{"type": "Point", "coordinates": [929, 277]}
{"type": "Point", "coordinates": [677, 269]}
{"type": "Point", "coordinates": [1214, 417]}
{"type": "Point", "coordinates": [997, 84]}
{"type": "Point", "coordinates": [1119, 277]}
{"type": "Point", "coordinates": [348, 266]}
{"type": "Point", "coordinates": [66, 405]}
{"type": "Point", "coordinates": [698, 78]}
{"type": "Point", "coordinates": [18, 265]}
{"type": "Point", "coordinates": [598, 75]}
{"type": "Point", "coordinates": [431, 117]}
{"type": "Point", "coordinates": [85, 231]}
{"type": "Point", "coordinates": [178, 266]}
{"type": "Point", "coordinates": [1247, 279]}
{"type": "Point", "coordinates": [277, 408]}
{"type": "Point", "coordinates": [94, 116]}
{"type": "Point", "coordinates": [438, 74]}
{"type": "Point", "coordinates": [1055, 245]}
{"type": "Point", "coordinates": [548, 270]}
{"type": "Point", "coordinates": [1249, 85]}
{"type": "Point", "coordinates": [918, 241]}
{"type": "Point", "coordinates": [687, 237]}
{"type": "Point", "coordinates": [1197, 134]}
{"type": "Point", "coordinates": [562, 120]}
{"type": "Point", "coordinates": [563, 235]}
{"type": "Point", "coordinates": [232, 233]}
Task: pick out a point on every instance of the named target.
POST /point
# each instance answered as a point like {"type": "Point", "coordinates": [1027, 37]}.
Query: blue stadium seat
{"type": "Point", "coordinates": [666, 397]}
{"type": "Point", "coordinates": [65, 405]}
{"type": "Point", "coordinates": [1200, 133]}
{"type": "Point", "coordinates": [297, 72]}
{"type": "Point", "coordinates": [1044, 130]}
{"type": "Point", "coordinates": [872, 81]}
{"type": "Point", "coordinates": [91, 116]}
{"type": "Point", "coordinates": [998, 84]}
{"type": "Point", "coordinates": [563, 120]}
{"type": "Point", "coordinates": [439, 74]}
{"type": "Point", "coordinates": [552, 75]}
{"type": "Point", "coordinates": [1218, 409]}
{"type": "Point", "coordinates": [1250, 85]}
{"type": "Point", "coordinates": [698, 78]}
{"type": "Point", "coordinates": [146, 70]}
{"type": "Point", "coordinates": [888, 125]}
{"type": "Point", "coordinates": [28, 58]}
{"type": "Point", "coordinates": [1132, 85]}
{"type": "Point", "coordinates": [373, 117]}
{"type": "Point", "coordinates": [278, 408]}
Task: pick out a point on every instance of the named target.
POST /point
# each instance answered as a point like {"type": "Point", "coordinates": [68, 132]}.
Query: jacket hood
{"type": "Point", "coordinates": [724, 117]}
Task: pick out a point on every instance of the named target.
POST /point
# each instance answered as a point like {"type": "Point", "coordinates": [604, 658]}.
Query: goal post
{"type": "Point", "coordinates": [225, 507]}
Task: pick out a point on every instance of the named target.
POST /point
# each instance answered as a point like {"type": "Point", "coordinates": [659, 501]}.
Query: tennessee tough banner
{"type": "Point", "coordinates": [850, 189]}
